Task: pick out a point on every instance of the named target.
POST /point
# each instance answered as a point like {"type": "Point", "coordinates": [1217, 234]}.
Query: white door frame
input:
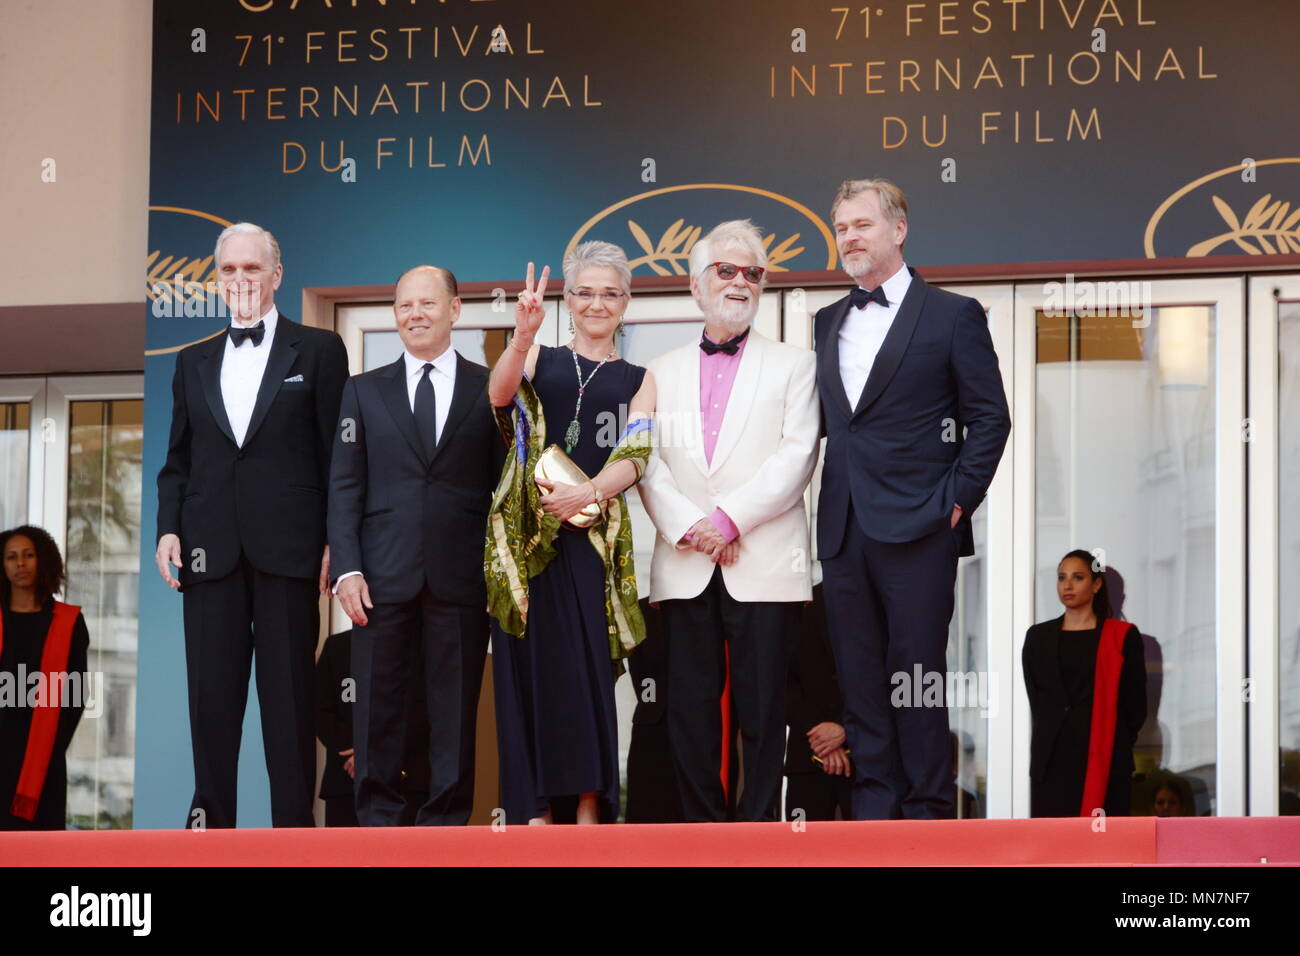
{"type": "Point", "coordinates": [31, 391]}
{"type": "Point", "coordinates": [61, 391]}
{"type": "Point", "coordinates": [1266, 294]}
{"type": "Point", "coordinates": [999, 549]}
{"type": "Point", "coordinates": [1226, 295]}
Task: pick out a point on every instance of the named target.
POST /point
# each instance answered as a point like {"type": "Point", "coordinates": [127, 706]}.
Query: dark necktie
{"type": "Point", "coordinates": [254, 332]}
{"type": "Point", "coordinates": [426, 412]}
{"type": "Point", "coordinates": [859, 297]}
{"type": "Point", "coordinates": [730, 347]}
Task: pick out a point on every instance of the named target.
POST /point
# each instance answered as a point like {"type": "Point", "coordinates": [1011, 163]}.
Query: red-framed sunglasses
{"type": "Point", "coordinates": [728, 270]}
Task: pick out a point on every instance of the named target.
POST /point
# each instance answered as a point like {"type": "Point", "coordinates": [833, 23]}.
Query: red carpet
{"type": "Point", "coordinates": [1126, 842]}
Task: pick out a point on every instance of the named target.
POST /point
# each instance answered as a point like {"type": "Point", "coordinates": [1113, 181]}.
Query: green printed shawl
{"type": "Point", "coordinates": [521, 535]}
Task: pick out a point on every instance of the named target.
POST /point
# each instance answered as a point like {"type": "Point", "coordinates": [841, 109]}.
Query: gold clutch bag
{"type": "Point", "coordinates": [555, 466]}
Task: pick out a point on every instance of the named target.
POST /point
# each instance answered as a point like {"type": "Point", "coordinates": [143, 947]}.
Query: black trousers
{"type": "Point", "coordinates": [444, 645]}
{"type": "Point", "coordinates": [229, 623]}
{"type": "Point", "coordinates": [818, 795]}
{"type": "Point", "coordinates": [340, 812]}
{"type": "Point", "coordinates": [761, 637]}
{"type": "Point", "coordinates": [888, 606]}
{"type": "Point", "coordinates": [651, 787]}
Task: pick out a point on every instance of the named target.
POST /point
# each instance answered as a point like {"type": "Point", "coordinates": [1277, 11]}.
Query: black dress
{"type": "Point", "coordinates": [557, 727]}
{"type": "Point", "coordinates": [1060, 668]}
{"type": "Point", "coordinates": [24, 641]}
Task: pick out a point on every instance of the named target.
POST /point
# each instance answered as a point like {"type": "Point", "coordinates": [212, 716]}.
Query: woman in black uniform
{"type": "Point", "coordinates": [37, 635]}
{"type": "Point", "coordinates": [1085, 673]}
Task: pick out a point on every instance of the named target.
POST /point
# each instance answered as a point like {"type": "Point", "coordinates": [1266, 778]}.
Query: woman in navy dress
{"type": "Point", "coordinates": [556, 723]}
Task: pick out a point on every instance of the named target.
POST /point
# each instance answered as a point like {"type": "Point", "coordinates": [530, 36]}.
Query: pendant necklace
{"type": "Point", "coordinates": [574, 430]}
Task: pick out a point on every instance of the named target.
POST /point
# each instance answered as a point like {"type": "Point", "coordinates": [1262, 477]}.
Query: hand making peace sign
{"type": "Point", "coordinates": [530, 310]}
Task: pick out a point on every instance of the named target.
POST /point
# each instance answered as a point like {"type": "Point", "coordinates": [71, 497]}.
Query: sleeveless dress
{"type": "Point", "coordinates": [557, 729]}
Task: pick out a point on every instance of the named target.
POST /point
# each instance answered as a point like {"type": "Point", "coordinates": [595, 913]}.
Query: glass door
{"type": "Point", "coordinates": [1128, 444]}
{"type": "Point", "coordinates": [22, 450]}
{"type": "Point", "coordinates": [1272, 436]}
{"type": "Point", "coordinates": [70, 460]}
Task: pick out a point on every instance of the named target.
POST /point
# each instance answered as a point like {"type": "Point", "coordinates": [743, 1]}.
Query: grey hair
{"type": "Point", "coordinates": [248, 229]}
{"type": "Point", "coordinates": [597, 254]}
{"type": "Point", "coordinates": [734, 232]}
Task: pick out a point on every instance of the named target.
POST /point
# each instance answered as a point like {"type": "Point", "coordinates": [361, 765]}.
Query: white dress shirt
{"type": "Point", "coordinates": [242, 369]}
{"type": "Point", "coordinates": [864, 331]}
{"type": "Point", "coordinates": [443, 378]}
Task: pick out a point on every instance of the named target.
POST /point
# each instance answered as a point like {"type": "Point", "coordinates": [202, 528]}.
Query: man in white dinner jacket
{"type": "Point", "coordinates": [737, 441]}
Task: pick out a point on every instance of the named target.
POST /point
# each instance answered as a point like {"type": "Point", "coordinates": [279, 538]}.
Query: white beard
{"type": "Point", "coordinates": [735, 317]}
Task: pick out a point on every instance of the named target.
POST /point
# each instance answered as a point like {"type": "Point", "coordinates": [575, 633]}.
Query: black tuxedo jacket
{"type": "Point", "coordinates": [268, 497]}
{"type": "Point", "coordinates": [399, 518]}
{"type": "Point", "coordinates": [899, 455]}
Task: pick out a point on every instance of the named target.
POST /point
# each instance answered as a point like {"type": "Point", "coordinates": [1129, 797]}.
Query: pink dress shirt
{"type": "Point", "coordinates": [717, 375]}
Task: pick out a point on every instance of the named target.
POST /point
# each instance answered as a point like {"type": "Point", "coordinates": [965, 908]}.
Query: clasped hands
{"type": "Point", "coordinates": [708, 540]}
{"type": "Point", "coordinates": [827, 742]}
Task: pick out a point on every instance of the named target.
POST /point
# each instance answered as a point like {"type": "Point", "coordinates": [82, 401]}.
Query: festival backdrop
{"type": "Point", "coordinates": [373, 135]}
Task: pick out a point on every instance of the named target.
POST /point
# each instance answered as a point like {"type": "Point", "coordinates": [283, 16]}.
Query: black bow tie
{"type": "Point", "coordinates": [730, 347]}
{"type": "Point", "coordinates": [859, 297]}
{"type": "Point", "coordinates": [255, 332]}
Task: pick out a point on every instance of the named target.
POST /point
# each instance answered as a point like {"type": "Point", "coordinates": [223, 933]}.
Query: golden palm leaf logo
{"type": "Point", "coordinates": [669, 254]}
{"type": "Point", "coordinates": [171, 281]}
{"type": "Point", "coordinates": [1269, 227]}
{"type": "Point", "coordinates": [672, 253]}
{"type": "Point", "coordinates": [1266, 229]}
{"type": "Point", "coordinates": [161, 272]}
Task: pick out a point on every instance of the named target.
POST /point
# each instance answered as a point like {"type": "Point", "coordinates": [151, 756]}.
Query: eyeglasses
{"type": "Point", "coordinates": [728, 270]}
{"type": "Point", "coordinates": [586, 296]}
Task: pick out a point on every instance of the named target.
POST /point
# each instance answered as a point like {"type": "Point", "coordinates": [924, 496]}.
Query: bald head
{"type": "Point", "coordinates": [437, 272]}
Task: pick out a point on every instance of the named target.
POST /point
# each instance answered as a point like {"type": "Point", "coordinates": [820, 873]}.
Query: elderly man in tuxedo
{"type": "Point", "coordinates": [738, 436]}
{"type": "Point", "coordinates": [416, 458]}
{"type": "Point", "coordinates": [904, 369]}
{"type": "Point", "coordinates": [241, 514]}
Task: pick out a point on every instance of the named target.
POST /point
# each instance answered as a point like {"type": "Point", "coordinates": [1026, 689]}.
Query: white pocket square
{"type": "Point", "coordinates": [294, 378]}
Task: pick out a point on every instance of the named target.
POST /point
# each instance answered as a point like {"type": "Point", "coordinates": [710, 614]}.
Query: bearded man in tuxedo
{"type": "Point", "coordinates": [915, 420]}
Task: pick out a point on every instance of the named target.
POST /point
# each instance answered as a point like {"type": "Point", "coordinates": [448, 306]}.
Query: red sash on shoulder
{"type": "Point", "coordinates": [1105, 712]}
{"type": "Point", "coordinates": [45, 716]}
